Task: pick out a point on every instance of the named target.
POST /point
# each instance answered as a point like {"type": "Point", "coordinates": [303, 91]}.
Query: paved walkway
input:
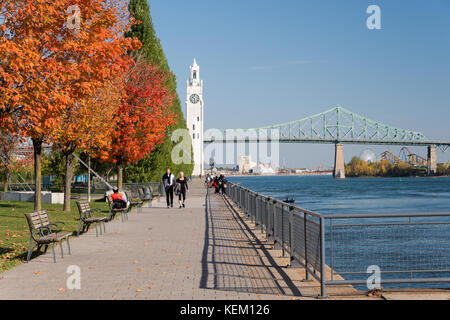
{"type": "Point", "coordinates": [161, 253]}
{"type": "Point", "coordinates": [205, 251]}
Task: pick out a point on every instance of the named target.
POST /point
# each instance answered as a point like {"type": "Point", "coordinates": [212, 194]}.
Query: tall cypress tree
{"type": "Point", "coordinates": [153, 166]}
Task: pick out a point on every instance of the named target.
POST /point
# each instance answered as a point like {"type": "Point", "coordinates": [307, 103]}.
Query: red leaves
{"type": "Point", "coordinates": [144, 115]}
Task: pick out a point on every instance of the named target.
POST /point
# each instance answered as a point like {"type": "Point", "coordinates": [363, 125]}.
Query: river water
{"type": "Point", "coordinates": [400, 247]}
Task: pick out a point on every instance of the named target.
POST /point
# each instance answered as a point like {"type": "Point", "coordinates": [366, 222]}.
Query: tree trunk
{"type": "Point", "coordinates": [89, 178]}
{"type": "Point", "coordinates": [37, 148]}
{"type": "Point", "coordinates": [68, 181]}
{"type": "Point", "coordinates": [119, 175]}
{"type": "Point", "coordinates": [5, 186]}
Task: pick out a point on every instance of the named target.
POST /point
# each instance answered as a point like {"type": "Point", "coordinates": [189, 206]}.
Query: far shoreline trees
{"type": "Point", "coordinates": [383, 168]}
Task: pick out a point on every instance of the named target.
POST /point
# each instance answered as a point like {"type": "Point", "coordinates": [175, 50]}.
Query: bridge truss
{"type": "Point", "coordinates": [337, 125]}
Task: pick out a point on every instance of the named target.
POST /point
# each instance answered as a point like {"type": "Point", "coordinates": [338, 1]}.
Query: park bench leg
{"type": "Point", "coordinates": [53, 250]}
{"type": "Point", "coordinates": [80, 226]}
{"type": "Point", "coordinates": [104, 226]}
{"type": "Point", "coordinates": [96, 230]}
{"type": "Point", "coordinates": [30, 250]}
{"type": "Point", "coordinates": [62, 250]}
{"type": "Point", "coordinates": [68, 246]}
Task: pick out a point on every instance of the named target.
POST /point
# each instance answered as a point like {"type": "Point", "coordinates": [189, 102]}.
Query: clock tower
{"type": "Point", "coordinates": [194, 116]}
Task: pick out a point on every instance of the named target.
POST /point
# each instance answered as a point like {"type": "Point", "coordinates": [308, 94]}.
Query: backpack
{"type": "Point", "coordinates": [177, 188]}
{"type": "Point", "coordinates": [119, 204]}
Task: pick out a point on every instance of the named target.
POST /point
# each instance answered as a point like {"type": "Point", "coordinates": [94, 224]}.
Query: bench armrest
{"type": "Point", "coordinates": [40, 232]}
{"type": "Point", "coordinates": [56, 223]}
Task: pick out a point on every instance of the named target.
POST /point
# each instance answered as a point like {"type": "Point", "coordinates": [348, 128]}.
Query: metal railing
{"type": "Point", "coordinates": [407, 248]}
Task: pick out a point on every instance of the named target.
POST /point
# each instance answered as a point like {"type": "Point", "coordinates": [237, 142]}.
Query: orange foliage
{"type": "Point", "coordinates": [47, 70]}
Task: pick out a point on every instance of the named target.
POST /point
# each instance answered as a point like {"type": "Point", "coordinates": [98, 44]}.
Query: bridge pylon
{"type": "Point", "coordinates": [339, 165]}
{"type": "Point", "coordinates": [432, 160]}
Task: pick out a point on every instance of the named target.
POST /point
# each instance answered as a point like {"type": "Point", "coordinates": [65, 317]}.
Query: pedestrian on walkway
{"type": "Point", "coordinates": [169, 181]}
{"type": "Point", "coordinates": [182, 181]}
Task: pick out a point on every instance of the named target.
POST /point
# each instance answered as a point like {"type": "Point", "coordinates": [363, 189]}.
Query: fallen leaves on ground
{"type": "Point", "coordinates": [140, 270]}
{"type": "Point", "coordinates": [61, 290]}
{"type": "Point", "coordinates": [38, 272]}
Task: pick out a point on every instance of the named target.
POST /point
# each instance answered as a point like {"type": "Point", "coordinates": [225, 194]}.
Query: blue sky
{"type": "Point", "coordinates": [267, 62]}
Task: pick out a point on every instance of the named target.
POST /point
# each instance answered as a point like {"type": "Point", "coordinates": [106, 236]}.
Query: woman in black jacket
{"type": "Point", "coordinates": [183, 189]}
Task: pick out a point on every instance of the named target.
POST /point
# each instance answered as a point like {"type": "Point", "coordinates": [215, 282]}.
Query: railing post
{"type": "Point", "coordinates": [262, 204]}
{"type": "Point", "coordinates": [290, 218]}
{"type": "Point", "coordinates": [323, 289]}
{"type": "Point", "coordinates": [282, 231]}
{"type": "Point", "coordinates": [305, 225]}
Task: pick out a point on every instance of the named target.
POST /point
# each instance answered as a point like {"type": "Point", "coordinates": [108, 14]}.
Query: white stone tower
{"type": "Point", "coordinates": [194, 116]}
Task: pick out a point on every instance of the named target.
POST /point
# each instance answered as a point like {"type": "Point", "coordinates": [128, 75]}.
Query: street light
{"type": "Point", "coordinates": [211, 163]}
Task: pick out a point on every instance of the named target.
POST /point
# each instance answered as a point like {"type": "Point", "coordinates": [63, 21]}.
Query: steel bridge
{"type": "Point", "coordinates": [336, 126]}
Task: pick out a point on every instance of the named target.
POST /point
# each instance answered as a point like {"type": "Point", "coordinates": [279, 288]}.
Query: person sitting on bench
{"type": "Point", "coordinates": [119, 199]}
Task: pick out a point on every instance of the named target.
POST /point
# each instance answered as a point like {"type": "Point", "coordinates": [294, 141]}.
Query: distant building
{"type": "Point", "coordinates": [263, 169]}
{"type": "Point", "coordinates": [245, 164]}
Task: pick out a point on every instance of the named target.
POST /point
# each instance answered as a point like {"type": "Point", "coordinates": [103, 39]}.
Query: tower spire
{"type": "Point", "coordinates": [194, 116]}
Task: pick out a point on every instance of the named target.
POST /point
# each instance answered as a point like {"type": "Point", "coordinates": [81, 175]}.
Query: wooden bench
{"type": "Point", "coordinates": [113, 211]}
{"type": "Point", "coordinates": [134, 201]}
{"type": "Point", "coordinates": [41, 234]}
{"type": "Point", "coordinates": [145, 196]}
{"type": "Point", "coordinates": [157, 190]}
{"type": "Point", "coordinates": [87, 218]}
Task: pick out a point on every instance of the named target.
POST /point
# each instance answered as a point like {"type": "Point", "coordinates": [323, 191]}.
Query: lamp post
{"type": "Point", "coordinates": [211, 164]}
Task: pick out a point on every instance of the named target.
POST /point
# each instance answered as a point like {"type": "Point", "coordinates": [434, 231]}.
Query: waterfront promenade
{"type": "Point", "coordinates": [206, 251]}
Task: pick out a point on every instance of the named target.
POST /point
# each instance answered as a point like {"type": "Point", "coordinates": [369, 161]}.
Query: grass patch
{"type": "Point", "coordinates": [14, 232]}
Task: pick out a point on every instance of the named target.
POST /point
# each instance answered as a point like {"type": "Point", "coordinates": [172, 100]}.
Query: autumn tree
{"type": "Point", "coordinates": [152, 166]}
{"type": "Point", "coordinates": [143, 117]}
{"type": "Point", "coordinates": [49, 65]}
{"type": "Point", "coordinates": [88, 125]}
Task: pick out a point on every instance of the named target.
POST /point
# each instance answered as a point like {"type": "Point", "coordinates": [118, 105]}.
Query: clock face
{"type": "Point", "coordinates": [194, 98]}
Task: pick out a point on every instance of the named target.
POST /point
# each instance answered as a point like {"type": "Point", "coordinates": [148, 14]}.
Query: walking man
{"type": "Point", "coordinates": [169, 181]}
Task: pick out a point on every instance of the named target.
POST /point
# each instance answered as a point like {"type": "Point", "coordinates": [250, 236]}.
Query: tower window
{"type": "Point", "coordinates": [193, 136]}
{"type": "Point", "coordinates": [193, 127]}
{"type": "Point", "coordinates": [195, 75]}
{"type": "Point", "coordinates": [198, 118]}
{"type": "Point", "coordinates": [198, 135]}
